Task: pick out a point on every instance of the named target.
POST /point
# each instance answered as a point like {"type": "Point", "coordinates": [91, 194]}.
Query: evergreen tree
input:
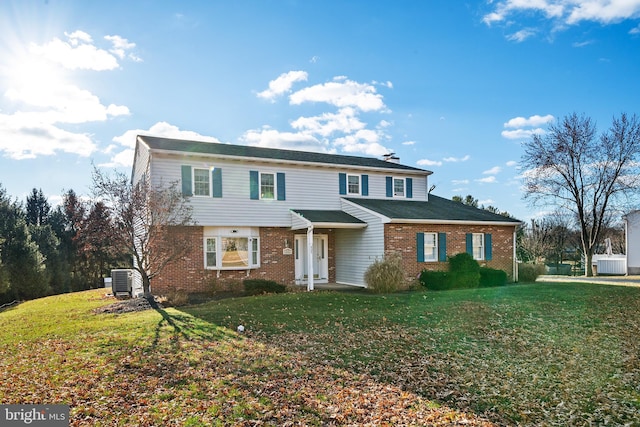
{"type": "Point", "coordinates": [37, 208]}
{"type": "Point", "coordinates": [20, 257]}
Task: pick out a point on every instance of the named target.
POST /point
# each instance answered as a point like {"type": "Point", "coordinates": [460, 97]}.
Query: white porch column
{"type": "Point", "coordinates": [310, 258]}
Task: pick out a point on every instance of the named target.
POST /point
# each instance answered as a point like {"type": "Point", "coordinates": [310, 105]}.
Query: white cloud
{"type": "Point", "coordinates": [493, 171]}
{"type": "Point", "coordinates": [127, 140]}
{"type": "Point", "coordinates": [535, 120]}
{"type": "Point", "coordinates": [22, 138]}
{"type": "Point", "coordinates": [272, 138]}
{"type": "Point", "coordinates": [460, 181]}
{"type": "Point", "coordinates": [121, 48]}
{"type": "Point", "coordinates": [521, 133]}
{"type": "Point", "coordinates": [486, 202]}
{"type": "Point", "coordinates": [344, 121]}
{"type": "Point", "coordinates": [341, 93]}
{"type": "Point", "coordinates": [427, 162]}
{"type": "Point", "coordinates": [76, 53]}
{"type": "Point", "coordinates": [282, 84]}
{"type": "Point", "coordinates": [511, 163]}
{"type": "Point", "coordinates": [456, 159]}
{"type": "Point", "coordinates": [365, 141]}
{"type": "Point", "coordinates": [569, 12]}
{"type": "Point", "coordinates": [409, 143]}
{"type": "Point", "coordinates": [38, 86]}
{"type": "Point", "coordinates": [635, 30]}
{"type": "Point", "coordinates": [487, 180]}
{"type": "Point", "coordinates": [522, 35]}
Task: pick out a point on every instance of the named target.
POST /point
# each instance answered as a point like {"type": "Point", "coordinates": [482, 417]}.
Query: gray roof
{"type": "Point", "coordinates": [337, 217]}
{"type": "Point", "coordinates": [436, 209]}
{"type": "Point", "coordinates": [212, 148]}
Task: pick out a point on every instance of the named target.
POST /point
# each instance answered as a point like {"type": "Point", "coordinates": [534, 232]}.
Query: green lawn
{"type": "Point", "coordinates": [555, 354]}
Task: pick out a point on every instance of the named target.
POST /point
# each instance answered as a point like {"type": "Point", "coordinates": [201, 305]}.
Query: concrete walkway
{"type": "Point", "coordinates": [601, 280]}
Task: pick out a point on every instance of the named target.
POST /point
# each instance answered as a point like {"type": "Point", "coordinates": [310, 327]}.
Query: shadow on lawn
{"type": "Point", "coordinates": [182, 326]}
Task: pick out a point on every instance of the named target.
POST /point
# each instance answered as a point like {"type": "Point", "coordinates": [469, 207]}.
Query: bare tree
{"type": "Point", "coordinates": [572, 168]}
{"type": "Point", "coordinates": [148, 221]}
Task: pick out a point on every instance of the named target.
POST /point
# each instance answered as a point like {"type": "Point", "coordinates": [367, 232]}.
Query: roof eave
{"type": "Point", "coordinates": [451, 222]}
{"type": "Point", "coordinates": [414, 171]}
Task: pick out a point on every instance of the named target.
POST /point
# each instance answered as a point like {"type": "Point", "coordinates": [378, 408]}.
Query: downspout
{"type": "Point", "coordinates": [310, 257]}
{"type": "Point", "coordinates": [515, 253]}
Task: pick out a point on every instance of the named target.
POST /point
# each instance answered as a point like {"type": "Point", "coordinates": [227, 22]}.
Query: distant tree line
{"type": "Point", "coordinates": [45, 250]}
{"type": "Point", "coordinates": [554, 238]}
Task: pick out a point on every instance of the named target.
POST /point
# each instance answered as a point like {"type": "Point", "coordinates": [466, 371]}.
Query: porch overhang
{"type": "Point", "coordinates": [305, 218]}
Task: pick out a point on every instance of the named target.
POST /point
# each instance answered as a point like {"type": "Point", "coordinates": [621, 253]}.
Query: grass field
{"type": "Point", "coordinates": [554, 354]}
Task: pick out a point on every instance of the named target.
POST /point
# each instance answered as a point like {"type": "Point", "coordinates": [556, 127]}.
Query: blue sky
{"type": "Point", "coordinates": [452, 87]}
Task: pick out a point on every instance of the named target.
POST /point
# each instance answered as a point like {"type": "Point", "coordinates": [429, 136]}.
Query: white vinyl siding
{"type": "Point", "coordinates": [356, 249]}
{"type": "Point", "coordinates": [307, 187]}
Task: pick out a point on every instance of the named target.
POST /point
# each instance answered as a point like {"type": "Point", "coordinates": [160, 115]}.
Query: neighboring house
{"type": "Point", "coordinates": [307, 218]}
{"type": "Point", "coordinates": [632, 237]}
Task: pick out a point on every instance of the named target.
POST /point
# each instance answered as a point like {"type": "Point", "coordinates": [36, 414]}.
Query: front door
{"type": "Point", "coordinates": [319, 258]}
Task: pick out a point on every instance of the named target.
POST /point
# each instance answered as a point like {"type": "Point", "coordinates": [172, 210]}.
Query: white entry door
{"type": "Point", "coordinates": [319, 258]}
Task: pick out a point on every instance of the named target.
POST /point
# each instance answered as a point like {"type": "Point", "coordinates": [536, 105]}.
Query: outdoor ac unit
{"type": "Point", "coordinates": [122, 282]}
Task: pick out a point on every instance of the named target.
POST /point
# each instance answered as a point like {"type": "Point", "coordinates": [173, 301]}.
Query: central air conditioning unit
{"type": "Point", "coordinates": [126, 282]}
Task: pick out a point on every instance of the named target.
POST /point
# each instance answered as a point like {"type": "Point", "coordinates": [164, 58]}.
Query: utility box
{"type": "Point", "coordinates": [126, 282]}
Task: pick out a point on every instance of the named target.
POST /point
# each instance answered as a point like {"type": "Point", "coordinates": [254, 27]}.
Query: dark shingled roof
{"type": "Point", "coordinates": [436, 208]}
{"type": "Point", "coordinates": [338, 217]}
{"type": "Point", "coordinates": [213, 148]}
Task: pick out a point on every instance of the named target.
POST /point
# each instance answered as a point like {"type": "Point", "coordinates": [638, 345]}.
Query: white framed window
{"type": "Point", "coordinates": [211, 252]}
{"type": "Point", "coordinates": [267, 186]}
{"type": "Point", "coordinates": [477, 242]}
{"type": "Point", "coordinates": [398, 187]}
{"type": "Point", "coordinates": [353, 184]}
{"type": "Point", "coordinates": [430, 246]}
{"type": "Point", "coordinates": [231, 249]}
{"type": "Point", "coordinates": [201, 182]}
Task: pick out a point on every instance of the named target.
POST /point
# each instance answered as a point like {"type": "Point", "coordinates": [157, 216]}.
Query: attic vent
{"type": "Point", "coordinates": [391, 157]}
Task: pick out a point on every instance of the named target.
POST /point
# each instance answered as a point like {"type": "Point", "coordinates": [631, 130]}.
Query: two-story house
{"type": "Point", "coordinates": [306, 218]}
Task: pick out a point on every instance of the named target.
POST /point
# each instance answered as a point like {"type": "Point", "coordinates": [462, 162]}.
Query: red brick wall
{"type": "Point", "coordinates": [189, 275]}
{"type": "Point", "coordinates": [401, 238]}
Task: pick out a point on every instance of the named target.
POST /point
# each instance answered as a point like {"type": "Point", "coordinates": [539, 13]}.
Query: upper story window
{"type": "Point", "coordinates": [267, 186]}
{"type": "Point", "coordinates": [398, 187]}
{"type": "Point", "coordinates": [353, 184]}
{"type": "Point", "coordinates": [201, 183]}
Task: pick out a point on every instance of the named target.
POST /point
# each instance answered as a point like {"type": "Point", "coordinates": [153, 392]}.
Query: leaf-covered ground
{"type": "Point", "coordinates": [547, 354]}
{"type": "Point", "coordinates": [168, 368]}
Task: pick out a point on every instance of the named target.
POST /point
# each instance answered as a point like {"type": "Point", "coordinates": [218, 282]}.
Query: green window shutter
{"type": "Point", "coordinates": [342, 183]}
{"type": "Point", "coordinates": [389, 181]}
{"type": "Point", "coordinates": [280, 185]}
{"type": "Point", "coordinates": [364, 179]}
{"type": "Point", "coordinates": [409, 182]}
{"type": "Point", "coordinates": [469, 239]}
{"type": "Point", "coordinates": [187, 187]}
{"type": "Point", "coordinates": [442, 247]}
{"type": "Point", "coordinates": [420, 246]}
{"type": "Point", "coordinates": [254, 186]}
{"type": "Point", "coordinates": [216, 181]}
{"type": "Point", "coordinates": [488, 252]}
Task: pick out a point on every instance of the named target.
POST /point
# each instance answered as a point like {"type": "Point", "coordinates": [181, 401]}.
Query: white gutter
{"type": "Point", "coordinates": [451, 222]}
